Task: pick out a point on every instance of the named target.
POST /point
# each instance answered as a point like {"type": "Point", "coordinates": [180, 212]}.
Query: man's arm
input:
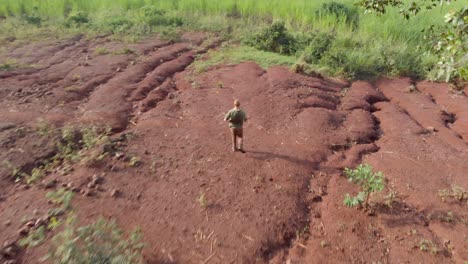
{"type": "Point", "coordinates": [227, 117]}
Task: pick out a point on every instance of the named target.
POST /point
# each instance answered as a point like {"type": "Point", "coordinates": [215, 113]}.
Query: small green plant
{"type": "Point", "coordinates": [8, 64]}
{"type": "Point", "coordinates": [54, 223]}
{"type": "Point", "coordinates": [76, 77]}
{"type": "Point", "coordinates": [36, 174]}
{"type": "Point", "coordinates": [368, 180]}
{"type": "Point", "coordinates": [61, 197]}
{"type": "Point", "coordinates": [76, 19]}
{"type": "Point", "coordinates": [44, 128]}
{"type": "Point", "coordinates": [15, 172]}
{"type": "Point", "coordinates": [448, 217]}
{"type": "Point", "coordinates": [124, 51]}
{"type": "Point", "coordinates": [99, 242]}
{"type": "Point", "coordinates": [34, 238]}
{"type": "Point", "coordinates": [455, 192]}
{"type": "Point", "coordinates": [134, 161]}
{"type": "Point", "coordinates": [101, 51]}
{"type": "Point", "coordinates": [427, 245]}
{"type": "Point", "coordinates": [202, 200]}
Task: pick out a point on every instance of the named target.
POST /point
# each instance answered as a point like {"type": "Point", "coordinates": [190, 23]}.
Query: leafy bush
{"type": "Point", "coordinates": [153, 16]}
{"type": "Point", "coordinates": [76, 19]}
{"type": "Point", "coordinates": [34, 238]}
{"type": "Point", "coordinates": [317, 46]}
{"type": "Point", "coordinates": [340, 10]}
{"type": "Point", "coordinates": [99, 242]}
{"type": "Point", "coordinates": [274, 38]}
{"type": "Point", "coordinates": [118, 24]}
{"type": "Point", "coordinates": [368, 180]}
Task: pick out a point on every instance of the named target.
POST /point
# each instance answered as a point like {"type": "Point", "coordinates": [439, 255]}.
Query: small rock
{"type": "Point", "coordinates": [88, 193]}
{"type": "Point", "coordinates": [35, 212]}
{"type": "Point", "coordinates": [431, 129]}
{"type": "Point", "coordinates": [119, 155]}
{"type": "Point", "coordinates": [69, 185]}
{"type": "Point", "coordinates": [118, 69]}
{"type": "Point", "coordinates": [96, 179]}
{"type": "Point", "coordinates": [7, 223]}
{"type": "Point", "coordinates": [9, 243]}
{"type": "Point", "coordinates": [30, 223]}
{"type": "Point", "coordinates": [90, 185]}
{"type": "Point", "coordinates": [75, 189]}
{"type": "Point", "coordinates": [23, 231]}
{"type": "Point", "coordinates": [6, 126]}
{"type": "Point", "coordinates": [115, 193]}
{"type": "Point", "coordinates": [139, 196]}
{"type": "Point", "coordinates": [9, 252]}
{"type": "Point", "coordinates": [39, 222]}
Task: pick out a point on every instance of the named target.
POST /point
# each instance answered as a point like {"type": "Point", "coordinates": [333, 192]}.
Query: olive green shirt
{"type": "Point", "coordinates": [236, 118]}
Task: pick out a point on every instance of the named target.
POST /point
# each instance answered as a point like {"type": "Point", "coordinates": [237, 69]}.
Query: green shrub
{"type": "Point", "coordinates": [99, 242]}
{"type": "Point", "coordinates": [368, 180]}
{"type": "Point", "coordinates": [34, 238]}
{"type": "Point", "coordinates": [118, 24]}
{"type": "Point", "coordinates": [274, 38]}
{"type": "Point", "coordinates": [339, 10]}
{"type": "Point", "coordinates": [77, 19]}
{"type": "Point", "coordinates": [317, 46]}
{"type": "Point", "coordinates": [153, 16]}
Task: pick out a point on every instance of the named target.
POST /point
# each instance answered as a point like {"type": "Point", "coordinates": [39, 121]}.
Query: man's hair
{"type": "Point", "coordinates": [236, 103]}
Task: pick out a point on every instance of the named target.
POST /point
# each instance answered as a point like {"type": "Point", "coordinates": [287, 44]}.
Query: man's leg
{"type": "Point", "coordinates": [234, 139]}
{"type": "Point", "coordinates": [240, 133]}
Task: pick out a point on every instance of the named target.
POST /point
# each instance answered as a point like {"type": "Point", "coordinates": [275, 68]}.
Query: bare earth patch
{"type": "Point", "coordinates": [169, 169]}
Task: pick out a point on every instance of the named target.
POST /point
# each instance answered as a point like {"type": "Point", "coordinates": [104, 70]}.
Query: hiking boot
{"type": "Point", "coordinates": [242, 150]}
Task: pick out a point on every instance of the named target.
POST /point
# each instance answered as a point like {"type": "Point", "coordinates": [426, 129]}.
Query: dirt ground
{"type": "Point", "coordinates": [195, 200]}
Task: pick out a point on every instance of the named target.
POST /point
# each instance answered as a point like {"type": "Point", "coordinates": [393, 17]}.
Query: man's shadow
{"type": "Point", "coordinates": [265, 156]}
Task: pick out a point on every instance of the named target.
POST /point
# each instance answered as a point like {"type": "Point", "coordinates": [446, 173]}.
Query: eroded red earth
{"type": "Point", "coordinates": [281, 202]}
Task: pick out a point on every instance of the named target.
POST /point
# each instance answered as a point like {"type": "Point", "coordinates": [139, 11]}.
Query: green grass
{"type": "Point", "coordinates": [237, 54]}
{"type": "Point", "coordinates": [387, 44]}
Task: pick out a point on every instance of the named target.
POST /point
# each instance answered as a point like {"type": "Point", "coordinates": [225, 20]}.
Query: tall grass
{"type": "Point", "coordinates": [380, 36]}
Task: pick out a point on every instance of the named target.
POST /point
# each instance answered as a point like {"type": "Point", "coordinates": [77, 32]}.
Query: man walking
{"type": "Point", "coordinates": [236, 118]}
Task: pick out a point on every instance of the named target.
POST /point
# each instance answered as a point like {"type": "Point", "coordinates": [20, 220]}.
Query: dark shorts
{"type": "Point", "coordinates": [237, 132]}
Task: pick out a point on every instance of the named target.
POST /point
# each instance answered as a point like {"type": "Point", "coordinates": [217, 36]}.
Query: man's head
{"type": "Point", "coordinates": [236, 103]}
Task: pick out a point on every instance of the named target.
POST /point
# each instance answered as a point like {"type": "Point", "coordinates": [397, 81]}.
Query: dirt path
{"type": "Point", "coordinates": [282, 201]}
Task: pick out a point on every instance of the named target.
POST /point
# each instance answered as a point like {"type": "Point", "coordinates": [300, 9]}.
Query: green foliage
{"type": "Point", "coordinates": [61, 197]}
{"type": "Point", "coordinates": [202, 200]}
{"type": "Point", "coordinates": [449, 41]}
{"type": "Point", "coordinates": [274, 38]}
{"type": "Point", "coordinates": [368, 180]}
{"type": "Point", "coordinates": [134, 161]}
{"type": "Point", "coordinates": [235, 55]}
{"type": "Point", "coordinates": [340, 10]}
{"type": "Point", "coordinates": [36, 175]}
{"type": "Point", "coordinates": [76, 19]}
{"type": "Point", "coordinates": [99, 242]}
{"type": "Point", "coordinates": [455, 192]}
{"type": "Point", "coordinates": [34, 238]}
{"type": "Point", "coordinates": [317, 46]}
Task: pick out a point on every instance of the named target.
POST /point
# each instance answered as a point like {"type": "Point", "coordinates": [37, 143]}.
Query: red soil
{"type": "Point", "coordinates": [282, 201]}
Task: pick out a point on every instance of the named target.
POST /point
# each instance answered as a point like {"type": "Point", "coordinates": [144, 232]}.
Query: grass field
{"type": "Point", "coordinates": [364, 46]}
